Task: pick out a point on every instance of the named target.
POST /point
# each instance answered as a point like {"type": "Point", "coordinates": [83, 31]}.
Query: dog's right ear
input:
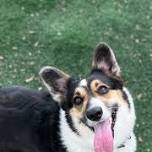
{"type": "Point", "coordinates": [55, 81]}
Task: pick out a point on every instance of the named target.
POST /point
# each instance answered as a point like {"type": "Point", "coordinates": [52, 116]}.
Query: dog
{"type": "Point", "coordinates": [94, 114]}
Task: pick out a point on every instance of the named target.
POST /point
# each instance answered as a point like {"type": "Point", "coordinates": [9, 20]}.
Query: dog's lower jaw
{"type": "Point", "coordinates": [71, 140]}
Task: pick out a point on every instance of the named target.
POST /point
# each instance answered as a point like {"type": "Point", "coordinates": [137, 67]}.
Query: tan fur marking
{"type": "Point", "coordinates": [79, 110]}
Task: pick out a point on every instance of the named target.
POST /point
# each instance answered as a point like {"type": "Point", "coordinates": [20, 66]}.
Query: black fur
{"type": "Point", "coordinates": [126, 98]}
{"type": "Point", "coordinates": [71, 85]}
{"type": "Point", "coordinates": [29, 121]}
{"type": "Point", "coordinates": [70, 123]}
{"type": "Point", "coordinates": [68, 104]}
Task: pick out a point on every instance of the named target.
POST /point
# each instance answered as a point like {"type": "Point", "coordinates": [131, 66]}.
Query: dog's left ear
{"type": "Point", "coordinates": [55, 81]}
{"type": "Point", "coordinates": [104, 59]}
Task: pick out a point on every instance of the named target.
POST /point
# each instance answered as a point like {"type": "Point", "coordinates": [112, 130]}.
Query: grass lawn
{"type": "Point", "coordinates": [63, 33]}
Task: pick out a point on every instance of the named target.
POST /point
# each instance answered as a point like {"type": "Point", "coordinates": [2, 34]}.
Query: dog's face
{"type": "Point", "coordinates": [90, 100]}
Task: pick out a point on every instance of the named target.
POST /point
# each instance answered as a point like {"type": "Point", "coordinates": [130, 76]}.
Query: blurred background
{"type": "Point", "coordinates": [63, 33]}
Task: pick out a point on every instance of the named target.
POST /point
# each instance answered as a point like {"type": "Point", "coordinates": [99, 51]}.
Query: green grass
{"type": "Point", "coordinates": [63, 33]}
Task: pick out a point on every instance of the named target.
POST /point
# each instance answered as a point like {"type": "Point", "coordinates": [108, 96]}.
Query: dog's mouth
{"type": "Point", "coordinates": [104, 134]}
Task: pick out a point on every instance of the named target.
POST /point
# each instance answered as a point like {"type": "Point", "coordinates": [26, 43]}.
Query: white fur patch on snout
{"type": "Point", "coordinates": [93, 102]}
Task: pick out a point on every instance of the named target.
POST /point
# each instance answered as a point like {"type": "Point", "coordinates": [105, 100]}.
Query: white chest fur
{"type": "Point", "coordinates": [124, 127]}
{"type": "Point", "coordinates": [74, 142]}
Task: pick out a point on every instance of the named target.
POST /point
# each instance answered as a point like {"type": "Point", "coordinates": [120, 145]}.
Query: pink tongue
{"type": "Point", "coordinates": [103, 140]}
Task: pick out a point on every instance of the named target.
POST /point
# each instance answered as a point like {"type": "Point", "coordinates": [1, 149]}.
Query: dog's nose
{"type": "Point", "coordinates": [94, 114]}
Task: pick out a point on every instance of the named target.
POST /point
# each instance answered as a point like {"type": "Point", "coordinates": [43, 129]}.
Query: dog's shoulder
{"type": "Point", "coordinates": [26, 116]}
{"type": "Point", "coordinates": [18, 95]}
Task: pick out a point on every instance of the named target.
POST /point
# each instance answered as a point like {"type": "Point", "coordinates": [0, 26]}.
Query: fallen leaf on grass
{"type": "Point", "coordinates": [29, 79]}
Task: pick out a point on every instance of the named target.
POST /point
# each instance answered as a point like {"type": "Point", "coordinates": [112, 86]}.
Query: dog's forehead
{"type": "Point", "coordinates": [85, 83]}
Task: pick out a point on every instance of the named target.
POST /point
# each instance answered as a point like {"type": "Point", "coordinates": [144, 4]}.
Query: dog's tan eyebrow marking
{"type": "Point", "coordinates": [95, 84]}
{"type": "Point", "coordinates": [80, 91]}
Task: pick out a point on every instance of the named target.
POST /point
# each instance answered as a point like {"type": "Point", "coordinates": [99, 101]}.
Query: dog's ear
{"type": "Point", "coordinates": [55, 81]}
{"type": "Point", "coordinates": [104, 59]}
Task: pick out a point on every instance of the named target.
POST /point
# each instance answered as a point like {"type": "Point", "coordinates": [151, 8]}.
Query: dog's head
{"type": "Point", "coordinates": [90, 100]}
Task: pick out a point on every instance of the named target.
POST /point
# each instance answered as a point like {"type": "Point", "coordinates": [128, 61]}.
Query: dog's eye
{"type": "Point", "coordinates": [78, 100]}
{"type": "Point", "coordinates": [103, 90]}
